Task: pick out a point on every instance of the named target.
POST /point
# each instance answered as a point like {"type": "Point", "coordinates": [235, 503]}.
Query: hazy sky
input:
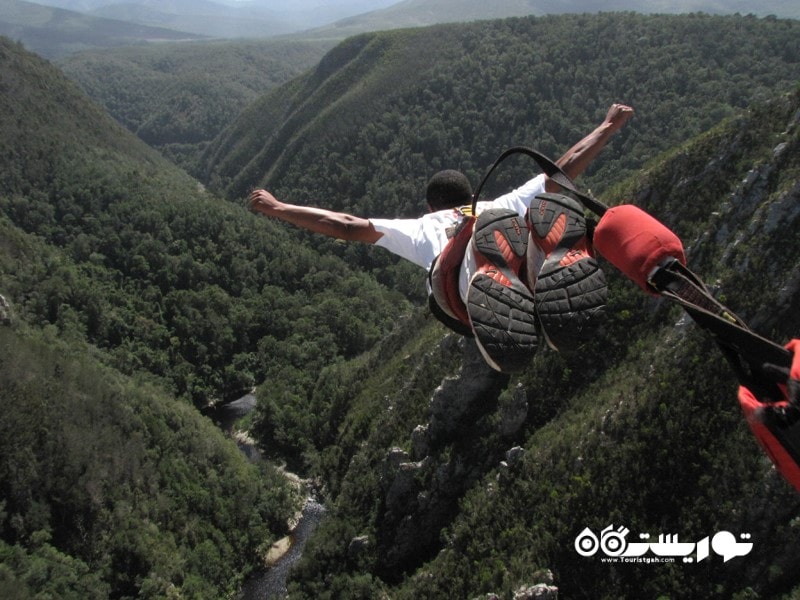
{"type": "Point", "coordinates": [351, 6]}
{"type": "Point", "coordinates": [286, 15]}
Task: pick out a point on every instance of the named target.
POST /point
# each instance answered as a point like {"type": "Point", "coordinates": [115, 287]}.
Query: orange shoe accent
{"type": "Point", "coordinates": [571, 257]}
{"type": "Point", "coordinates": [579, 252]}
{"type": "Point", "coordinates": [511, 258]}
{"type": "Point", "coordinates": [499, 277]}
{"type": "Point", "coordinates": [549, 243]}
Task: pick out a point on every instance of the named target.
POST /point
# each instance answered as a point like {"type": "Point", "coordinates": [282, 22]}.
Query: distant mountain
{"type": "Point", "coordinates": [211, 19]}
{"type": "Point", "coordinates": [178, 97]}
{"type": "Point", "coordinates": [54, 32]}
{"type": "Point", "coordinates": [224, 18]}
{"type": "Point", "coordinates": [415, 13]}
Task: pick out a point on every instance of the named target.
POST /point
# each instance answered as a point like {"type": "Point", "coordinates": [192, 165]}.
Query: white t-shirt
{"type": "Point", "coordinates": [421, 240]}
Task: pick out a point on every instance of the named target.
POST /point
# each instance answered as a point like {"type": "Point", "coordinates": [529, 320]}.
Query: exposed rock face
{"type": "Point", "coordinates": [422, 490]}
{"type": "Point", "coordinates": [460, 400]}
{"type": "Point", "coordinates": [540, 591]}
{"type": "Point", "coordinates": [514, 413]}
{"type": "Point", "coordinates": [5, 312]}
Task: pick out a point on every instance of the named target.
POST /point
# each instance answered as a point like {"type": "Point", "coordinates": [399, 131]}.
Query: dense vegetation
{"type": "Point", "coordinates": [177, 98]}
{"type": "Point", "coordinates": [110, 489]}
{"type": "Point", "coordinates": [136, 293]}
{"type": "Point", "coordinates": [534, 81]}
{"type": "Point", "coordinates": [152, 269]}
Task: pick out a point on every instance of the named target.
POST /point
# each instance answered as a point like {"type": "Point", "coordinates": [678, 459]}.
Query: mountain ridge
{"type": "Point", "coordinates": [420, 13]}
{"type": "Point", "coordinates": [459, 100]}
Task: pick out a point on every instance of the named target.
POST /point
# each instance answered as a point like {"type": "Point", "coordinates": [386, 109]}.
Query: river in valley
{"type": "Point", "coordinates": [269, 583]}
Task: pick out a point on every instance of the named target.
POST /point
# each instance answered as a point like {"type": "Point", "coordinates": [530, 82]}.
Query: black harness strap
{"type": "Point", "coordinates": [552, 170]}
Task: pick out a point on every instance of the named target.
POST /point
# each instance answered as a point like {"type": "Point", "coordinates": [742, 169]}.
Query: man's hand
{"type": "Point", "coordinates": [263, 202]}
{"type": "Point", "coordinates": [617, 116]}
{"type": "Point", "coordinates": [577, 159]}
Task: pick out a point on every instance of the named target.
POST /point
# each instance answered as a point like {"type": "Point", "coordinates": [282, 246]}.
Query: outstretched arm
{"type": "Point", "coordinates": [576, 159]}
{"type": "Point", "coordinates": [319, 220]}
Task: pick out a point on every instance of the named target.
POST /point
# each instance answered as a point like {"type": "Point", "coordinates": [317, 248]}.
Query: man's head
{"type": "Point", "coordinates": [448, 189]}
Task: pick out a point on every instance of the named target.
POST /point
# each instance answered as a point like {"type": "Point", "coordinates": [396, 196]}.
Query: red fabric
{"type": "Point", "coordinates": [635, 242]}
{"type": "Point", "coordinates": [794, 348]}
{"type": "Point", "coordinates": [449, 268]}
{"type": "Point", "coordinates": [753, 408]}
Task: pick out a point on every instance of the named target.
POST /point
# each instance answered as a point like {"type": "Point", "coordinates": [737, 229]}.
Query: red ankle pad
{"type": "Point", "coordinates": [635, 243]}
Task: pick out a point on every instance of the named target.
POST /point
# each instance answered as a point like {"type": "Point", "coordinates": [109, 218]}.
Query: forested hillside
{"type": "Point", "coordinates": [179, 97]}
{"type": "Point", "coordinates": [157, 272]}
{"type": "Point", "coordinates": [367, 127]}
{"type": "Point", "coordinates": [109, 488]}
{"type": "Point", "coordinates": [131, 297]}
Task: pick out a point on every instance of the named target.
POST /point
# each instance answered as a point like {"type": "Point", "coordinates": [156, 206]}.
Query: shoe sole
{"type": "Point", "coordinates": [504, 323]}
{"type": "Point", "coordinates": [570, 302]}
{"type": "Point", "coordinates": [570, 289]}
{"type": "Point", "coordinates": [501, 307]}
{"type": "Point", "coordinates": [501, 236]}
{"type": "Point", "coordinates": [558, 228]}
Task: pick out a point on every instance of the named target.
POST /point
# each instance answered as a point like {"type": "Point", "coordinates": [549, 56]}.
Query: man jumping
{"type": "Point", "coordinates": [520, 269]}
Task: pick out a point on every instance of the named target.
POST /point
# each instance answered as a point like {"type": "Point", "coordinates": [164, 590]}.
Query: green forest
{"type": "Point", "coordinates": [142, 293]}
{"type": "Point", "coordinates": [178, 98]}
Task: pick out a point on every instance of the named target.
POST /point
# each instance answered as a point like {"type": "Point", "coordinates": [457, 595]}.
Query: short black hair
{"type": "Point", "coordinates": [448, 189]}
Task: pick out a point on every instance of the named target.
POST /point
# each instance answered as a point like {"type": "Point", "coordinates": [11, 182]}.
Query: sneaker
{"type": "Point", "coordinates": [570, 288]}
{"type": "Point", "coordinates": [500, 306]}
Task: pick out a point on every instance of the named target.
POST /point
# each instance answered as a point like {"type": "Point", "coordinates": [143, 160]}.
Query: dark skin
{"type": "Point", "coordinates": [358, 229]}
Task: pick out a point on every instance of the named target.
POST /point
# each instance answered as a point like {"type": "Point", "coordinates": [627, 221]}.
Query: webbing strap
{"type": "Point", "coordinates": [676, 281]}
{"type": "Point", "coordinates": [746, 351]}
